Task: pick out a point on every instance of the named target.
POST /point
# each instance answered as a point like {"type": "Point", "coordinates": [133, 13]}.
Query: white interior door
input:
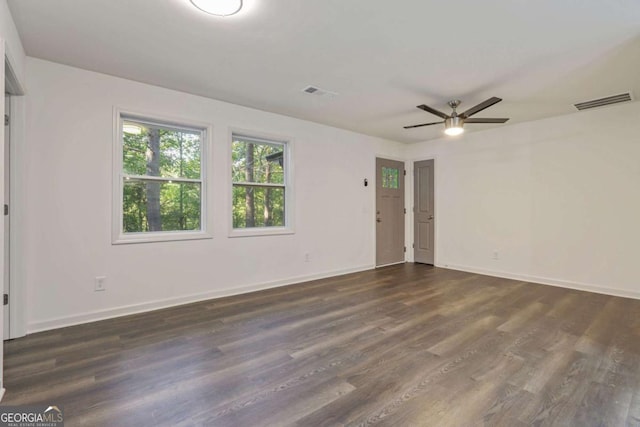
{"type": "Point", "coordinates": [2, 266]}
{"type": "Point", "coordinates": [7, 236]}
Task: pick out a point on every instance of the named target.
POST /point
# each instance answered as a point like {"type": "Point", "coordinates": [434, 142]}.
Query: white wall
{"type": "Point", "coordinates": [14, 53]}
{"type": "Point", "coordinates": [13, 45]}
{"type": "Point", "coordinates": [67, 214]}
{"type": "Point", "coordinates": [557, 198]}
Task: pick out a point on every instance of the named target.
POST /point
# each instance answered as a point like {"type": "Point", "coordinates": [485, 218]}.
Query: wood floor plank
{"type": "Point", "coordinates": [633, 415]}
{"type": "Point", "coordinates": [558, 401]}
{"type": "Point", "coordinates": [406, 345]}
{"type": "Point", "coordinates": [456, 340]}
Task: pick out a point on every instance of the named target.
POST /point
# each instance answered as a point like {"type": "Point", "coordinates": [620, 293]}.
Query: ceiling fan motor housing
{"type": "Point", "coordinates": [453, 122]}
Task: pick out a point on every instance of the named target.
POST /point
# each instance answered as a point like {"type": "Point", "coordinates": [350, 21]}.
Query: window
{"type": "Point", "coordinates": [261, 192]}
{"type": "Point", "coordinates": [390, 177]}
{"type": "Point", "coordinates": [160, 180]}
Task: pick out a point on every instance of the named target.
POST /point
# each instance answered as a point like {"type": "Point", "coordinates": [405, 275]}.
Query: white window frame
{"type": "Point", "coordinates": [289, 193]}
{"type": "Point", "coordinates": [206, 224]}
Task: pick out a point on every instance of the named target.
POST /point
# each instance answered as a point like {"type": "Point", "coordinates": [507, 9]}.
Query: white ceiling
{"type": "Point", "coordinates": [382, 57]}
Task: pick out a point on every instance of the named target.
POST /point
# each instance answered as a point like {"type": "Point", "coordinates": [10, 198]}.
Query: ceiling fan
{"type": "Point", "coordinates": [453, 123]}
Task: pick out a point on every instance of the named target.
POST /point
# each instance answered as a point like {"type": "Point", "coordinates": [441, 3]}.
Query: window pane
{"type": "Point", "coordinates": [160, 206]}
{"type": "Point", "coordinates": [258, 206]}
{"type": "Point", "coordinates": [257, 162]}
{"type": "Point", "coordinates": [390, 177]}
{"type": "Point", "coordinates": [158, 151]}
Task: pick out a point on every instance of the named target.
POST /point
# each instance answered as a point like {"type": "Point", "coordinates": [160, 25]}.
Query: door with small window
{"type": "Point", "coordinates": [390, 212]}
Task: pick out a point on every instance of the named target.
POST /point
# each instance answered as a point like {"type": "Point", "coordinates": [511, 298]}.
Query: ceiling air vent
{"type": "Point", "coordinates": [615, 99]}
{"type": "Point", "coordinates": [314, 90]}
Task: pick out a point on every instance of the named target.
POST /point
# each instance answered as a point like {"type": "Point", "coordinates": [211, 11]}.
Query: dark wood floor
{"type": "Point", "coordinates": [407, 345]}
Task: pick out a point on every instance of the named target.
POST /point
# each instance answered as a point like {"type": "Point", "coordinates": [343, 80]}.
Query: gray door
{"type": "Point", "coordinates": [423, 212]}
{"type": "Point", "coordinates": [389, 212]}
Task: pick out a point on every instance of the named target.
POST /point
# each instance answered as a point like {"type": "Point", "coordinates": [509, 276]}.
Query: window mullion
{"type": "Point", "coordinates": [160, 178]}
{"type": "Point", "coordinates": [257, 184]}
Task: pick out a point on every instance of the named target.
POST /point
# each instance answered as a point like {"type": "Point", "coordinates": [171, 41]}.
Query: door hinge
{"type": "Point", "coordinates": [405, 210]}
{"type": "Point", "coordinates": [405, 172]}
{"type": "Point", "coordinates": [6, 209]}
{"type": "Point", "coordinates": [413, 245]}
{"type": "Point", "coordinates": [6, 120]}
{"type": "Point", "coordinates": [405, 249]}
{"type": "Point", "coordinates": [6, 299]}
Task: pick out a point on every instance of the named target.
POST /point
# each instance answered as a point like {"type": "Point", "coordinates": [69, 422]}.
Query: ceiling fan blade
{"type": "Point", "coordinates": [483, 105]}
{"type": "Point", "coordinates": [433, 111]}
{"type": "Point", "coordinates": [485, 120]}
{"type": "Point", "coordinates": [423, 124]}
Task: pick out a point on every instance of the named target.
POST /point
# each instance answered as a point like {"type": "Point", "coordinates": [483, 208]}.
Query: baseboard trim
{"type": "Point", "coordinates": [389, 265]}
{"type": "Point", "coordinates": [2, 392]}
{"type": "Point", "coordinates": [546, 281]}
{"type": "Point", "coordinates": [95, 316]}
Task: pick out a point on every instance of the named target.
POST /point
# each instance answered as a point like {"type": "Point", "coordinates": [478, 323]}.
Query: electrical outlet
{"type": "Point", "coordinates": [307, 257]}
{"type": "Point", "coordinates": [496, 254]}
{"type": "Point", "coordinates": [100, 284]}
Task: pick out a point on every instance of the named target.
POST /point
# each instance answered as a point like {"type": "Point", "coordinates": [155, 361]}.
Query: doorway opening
{"type": "Point", "coordinates": [13, 295]}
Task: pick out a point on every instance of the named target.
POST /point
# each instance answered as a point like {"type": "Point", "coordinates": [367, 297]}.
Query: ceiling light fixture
{"type": "Point", "coordinates": [218, 7]}
{"type": "Point", "coordinates": [453, 126]}
{"type": "Point", "coordinates": [454, 122]}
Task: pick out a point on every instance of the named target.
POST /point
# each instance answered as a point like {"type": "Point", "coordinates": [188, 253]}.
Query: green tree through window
{"type": "Point", "coordinates": [161, 177]}
{"type": "Point", "coordinates": [390, 177]}
{"type": "Point", "coordinates": [258, 172]}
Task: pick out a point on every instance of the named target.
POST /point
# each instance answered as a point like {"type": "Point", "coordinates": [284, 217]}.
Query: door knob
{"type": "Point", "coordinates": [430, 217]}
{"type": "Point", "coordinates": [378, 220]}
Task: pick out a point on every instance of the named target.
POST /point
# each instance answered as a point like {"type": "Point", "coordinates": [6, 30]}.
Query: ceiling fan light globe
{"type": "Point", "coordinates": [453, 131]}
{"type": "Point", "coordinates": [218, 7]}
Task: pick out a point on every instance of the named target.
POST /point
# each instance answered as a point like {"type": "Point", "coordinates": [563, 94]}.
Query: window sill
{"type": "Point", "coordinates": [253, 232]}
{"type": "Point", "coordinates": [167, 236]}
